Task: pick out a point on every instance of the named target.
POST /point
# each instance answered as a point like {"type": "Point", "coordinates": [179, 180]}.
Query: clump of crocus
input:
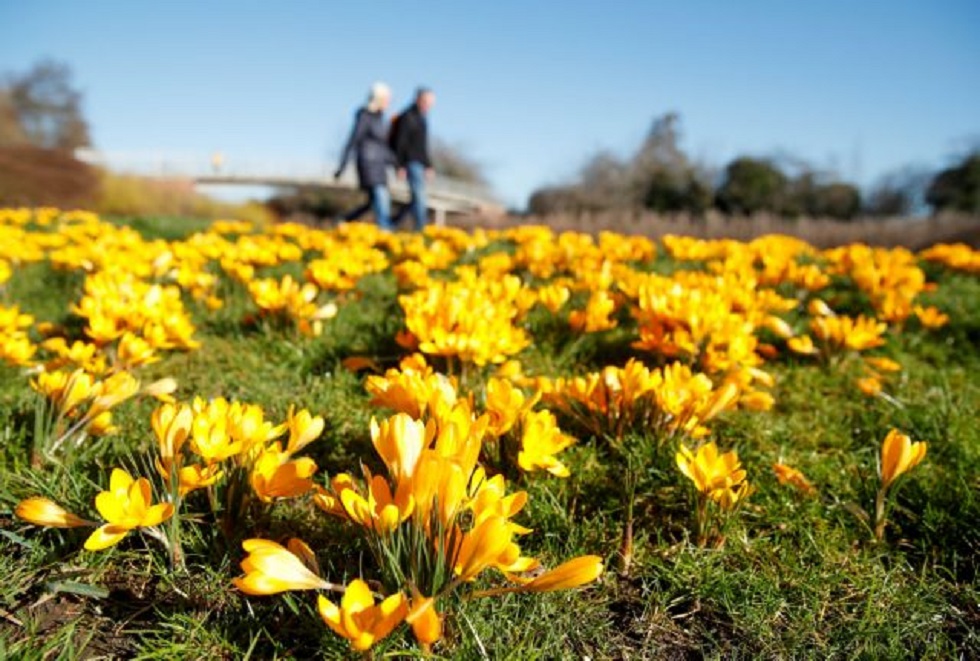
{"type": "Point", "coordinates": [473, 320]}
{"type": "Point", "coordinates": [78, 405]}
{"type": "Point", "coordinates": [669, 402]}
{"type": "Point", "coordinates": [435, 522]}
{"type": "Point", "coordinates": [877, 370]}
{"type": "Point", "coordinates": [291, 302]}
{"type": "Point", "coordinates": [719, 480]}
{"type": "Point", "coordinates": [898, 456]}
{"type": "Point", "coordinates": [233, 451]}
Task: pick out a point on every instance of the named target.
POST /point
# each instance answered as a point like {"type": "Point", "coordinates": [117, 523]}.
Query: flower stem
{"type": "Point", "coordinates": [880, 514]}
{"type": "Point", "coordinates": [626, 546]}
{"type": "Point", "coordinates": [702, 516]}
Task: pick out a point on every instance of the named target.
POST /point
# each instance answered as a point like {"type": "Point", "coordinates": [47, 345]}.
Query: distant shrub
{"type": "Point", "coordinates": [129, 195]}
{"type": "Point", "coordinates": [808, 196]}
{"type": "Point", "coordinates": [957, 188]}
{"type": "Point", "coordinates": [752, 185]}
{"type": "Point", "coordinates": [669, 192]}
{"type": "Point", "coordinates": [313, 205]}
{"type": "Point", "coordinates": [32, 176]}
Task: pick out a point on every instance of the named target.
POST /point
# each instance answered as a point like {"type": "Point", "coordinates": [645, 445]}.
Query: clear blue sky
{"type": "Point", "coordinates": [528, 88]}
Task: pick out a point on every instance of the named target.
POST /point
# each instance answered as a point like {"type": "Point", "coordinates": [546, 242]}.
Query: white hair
{"type": "Point", "coordinates": [379, 92]}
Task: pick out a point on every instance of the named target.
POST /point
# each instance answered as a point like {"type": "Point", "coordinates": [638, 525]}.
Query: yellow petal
{"type": "Point", "coordinates": [393, 610]}
{"type": "Point", "coordinates": [111, 506]}
{"type": "Point", "coordinates": [570, 574]}
{"type": "Point", "coordinates": [104, 537]}
{"type": "Point", "coordinates": [162, 388]}
{"type": "Point", "coordinates": [157, 514]}
{"type": "Point", "coordinates": [330, 615]}
{"type": "Point", "coordinates": [119, 480]}
{"type": "Point", "coordinates": [425, 621]}
{"type": "Point", "coordinates": [259, 585]}
{"type": "Point", "coordinates": [918, 453]}
{"type": "Point", "coordinates": [256, 544]}
{"type": "Point", "coordinates": [357, 597]}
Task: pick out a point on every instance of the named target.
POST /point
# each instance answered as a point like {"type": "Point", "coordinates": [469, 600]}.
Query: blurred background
{"type": "Point", "coordinates": [831, 120]}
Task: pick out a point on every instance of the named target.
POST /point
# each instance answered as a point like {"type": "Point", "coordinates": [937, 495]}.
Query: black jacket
{"type": "Point", "coordinates": [369, 140]}
{"type": "Point", "coordinates": [410, 139]}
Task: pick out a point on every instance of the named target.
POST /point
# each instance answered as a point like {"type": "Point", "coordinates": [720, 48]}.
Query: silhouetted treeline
{"type": "Point", "coordinates": [660, 177]}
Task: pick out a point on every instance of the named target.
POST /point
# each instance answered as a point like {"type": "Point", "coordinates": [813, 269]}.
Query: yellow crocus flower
{"type": "Point", "coordinates": [819, 308]}
{"type": "Point", "coordinates": [399, 441]}
{"type": "Point", "coordinates": [381, 511]}
{"type": "Point", "coordinates": [275, 475]}
{"type": "Point", "coordinates": [505, 405]}
{"type": "Point", "coordinates": [542, 439]}
{"type": "Point", "coordinates": [719, 476]}
{"type": "Point", "coordinates": [359, 619]}
{"type": "Point", "coordinates": [210, 439]}
{"type": "Point", "coordinates": [869, 385]}
{"type": "Point", "coordinates": [162, 389]}
{"type": "Point", "coordinates": [270, 568]}
{"type": "Point", "coordinates": [439, 484]}
{"type": "Point", "coordinates": [114, 390]}
{"type": "Point", "coordinates": [596, 316]}
{"type": "Point", "coordinates": [898, 455]}
{"type": "Point", "coordinates": [304, 428]}
{"type": "Point", "coordinates": [930, 317]}
{"type": "Point", "coordinates": [195, 476]}
{"type": "Point", "coordinates": [134, 351]}
{"type": "Point", "coordinates": [126, 505]}
{"type": "Point", "coordinates": [571, 574]}
{"type": "Point", "coordinates": [329, 500]}
{"type": "Point", "coordinates": [101, 424]}
{"type": "Point", "coordinates": [779, 326]}
{"type": "Point", "coordinates": [45, 512]}
{"type": "Point", "coordinates": [553, 297]}
{"type": "Point", "coordinates": [789, 475]}
{"type": "Point", "coordinates": [482, 547]}
{"type": "Point", "coordinates": [802, 345]}
{"type": "Point", "coordinates": [883, 364]}
{"type": "Point", "coordinates": [79, 386]}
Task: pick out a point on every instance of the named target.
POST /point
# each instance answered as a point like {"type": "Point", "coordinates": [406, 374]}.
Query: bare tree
{"type": "Point", "coordinates": [661, 148]}
{"type": "Point", "coordinates": [900, 192]}
{"type": "Point", "coordinates": [47, 107]}
{"type": "Point", "coordinates": [451, 161]}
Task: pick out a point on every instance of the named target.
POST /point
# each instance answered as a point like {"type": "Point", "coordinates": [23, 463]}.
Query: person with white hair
{"type": "Point", "coordinates": [368, 142]}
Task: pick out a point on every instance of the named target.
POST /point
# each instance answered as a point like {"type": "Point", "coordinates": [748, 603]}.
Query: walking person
{"type": "Point", "coordinates": [410, 142]}
{"type": "Point", "coordinates": [369, 142]}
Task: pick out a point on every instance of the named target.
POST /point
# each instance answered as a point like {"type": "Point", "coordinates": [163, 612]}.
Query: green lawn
{"type": "Point", "coordinates": [796, 576]}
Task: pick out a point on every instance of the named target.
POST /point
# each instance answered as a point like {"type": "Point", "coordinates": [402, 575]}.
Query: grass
{"type": "Point", "coordinates": [797, 577]}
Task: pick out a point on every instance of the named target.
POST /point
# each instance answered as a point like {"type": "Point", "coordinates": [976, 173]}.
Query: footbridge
{"type": "Point", "coordinates": [444, 195]}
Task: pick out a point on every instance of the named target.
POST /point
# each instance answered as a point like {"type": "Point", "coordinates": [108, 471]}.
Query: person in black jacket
{"type": "Point", "coordinates": [369, 141]}
{"type": "Point", "coordinates": [410, 141]}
